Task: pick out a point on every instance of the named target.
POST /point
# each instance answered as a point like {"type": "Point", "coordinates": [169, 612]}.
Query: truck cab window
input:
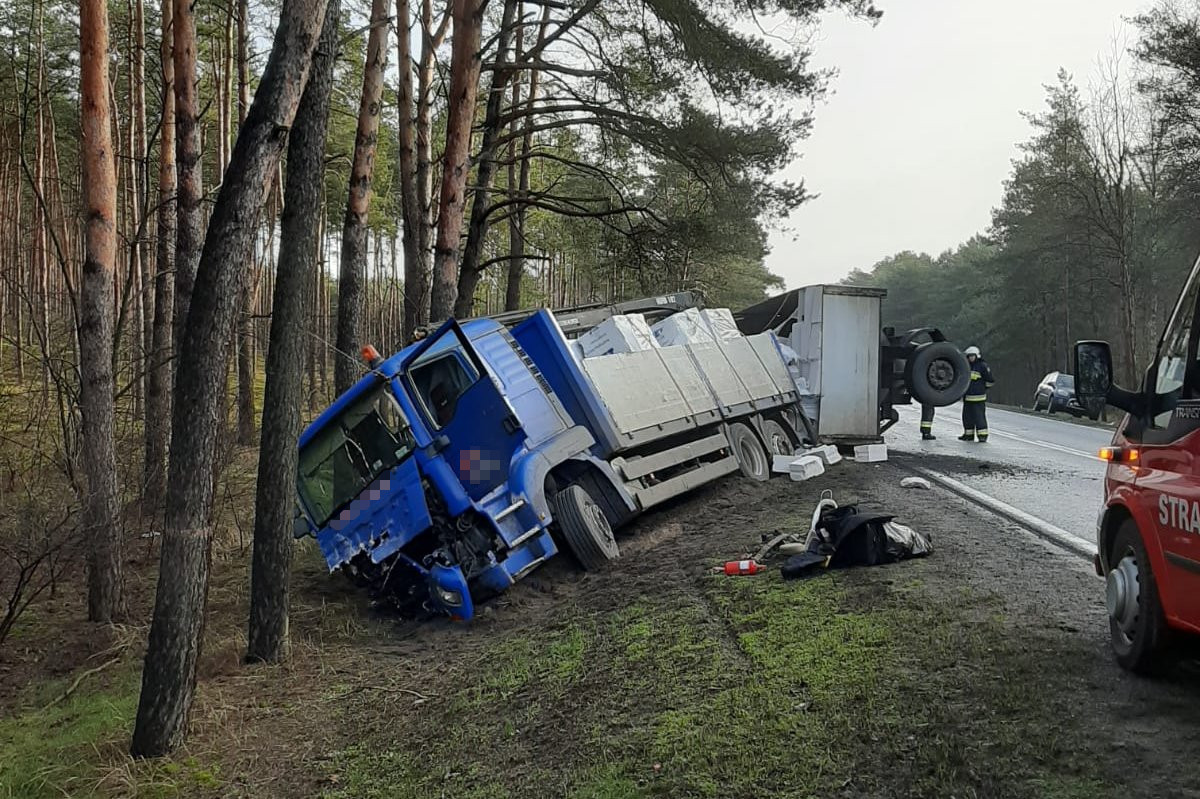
{"type": "Point", "coordinates": [1177, 376]}
{"type": "Point", "coordinates": [441, 380]}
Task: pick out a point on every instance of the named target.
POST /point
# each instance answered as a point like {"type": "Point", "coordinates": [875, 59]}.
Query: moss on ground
{"type": "Point", "coordinates": [42, 748]}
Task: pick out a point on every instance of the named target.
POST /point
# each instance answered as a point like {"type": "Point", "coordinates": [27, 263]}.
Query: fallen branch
{"type": "Point", "coordinates": [82, 677]}
{"type": "Point", "coordinates": [387, 689]}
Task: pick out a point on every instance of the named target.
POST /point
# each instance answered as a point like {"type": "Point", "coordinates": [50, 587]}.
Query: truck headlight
{"type": "Point", "coordinates": [449, 598]}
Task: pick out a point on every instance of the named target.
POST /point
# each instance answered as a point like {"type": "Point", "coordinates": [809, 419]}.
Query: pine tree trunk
{"type": "Point", "coordinates": [158, 395]}
{"type": "Point", "coordinates": [245, 334]}
{"type": "Point", "coordinates": [18, 277]}
{"type": "Point", "coordinates": [271, 565]}
{"type": "Point", "coordinates": [189, 232]}
{"type": "Point", "coordinates": [133, 214]}
{"type": "Point", "coordinates": [411, 212]}
{"type": "Point", "coordinates": [176, 632]}
{"type": "Point", "coordinates": [102, 528]}
{"type": "Point", "coordinates": [142, 168]}
{"type": "Point", "coordinates": [353, 263]}
{"type": "Point", "coordinates": [456, 164]}
{"type": "Point", "coordinates": [39, 289]}
{"type": "Point", "coordinates": [431, 40]}
{"type": "Point", "coordinates": [468, 272]}
{"type": "Point", "coordinates": [516, 242]}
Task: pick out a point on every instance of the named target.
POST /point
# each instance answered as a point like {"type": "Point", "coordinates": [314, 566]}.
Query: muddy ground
{"type": "Point", "coordinates": [981, 671]}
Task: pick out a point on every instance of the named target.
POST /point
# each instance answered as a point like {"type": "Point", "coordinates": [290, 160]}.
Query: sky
{"type": "Point", "coordinates": [910, 149]}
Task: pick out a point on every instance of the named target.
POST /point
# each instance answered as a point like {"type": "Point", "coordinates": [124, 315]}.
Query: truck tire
{"type": "Point", "coordinates": [801, 425]}
{"type": "Point", "coordinates": [585, 528]}
{"type": "Point", "coordinates": [1135, 615]}
{"type": "Point", "coordinates": [779, 442]}
{"type": "Point", "coordinates": [937, 374]}
{"type": "Point", "coordinates": [749, 453]}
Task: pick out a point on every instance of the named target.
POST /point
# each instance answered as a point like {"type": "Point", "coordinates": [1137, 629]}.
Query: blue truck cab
{"type": "Point", "coordinates": [435, 479]}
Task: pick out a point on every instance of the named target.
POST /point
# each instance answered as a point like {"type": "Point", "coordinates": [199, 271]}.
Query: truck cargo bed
{"type": "Point", "coordinates": [633, 399]}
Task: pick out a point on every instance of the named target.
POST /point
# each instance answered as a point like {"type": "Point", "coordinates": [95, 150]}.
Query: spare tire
{"type": "Point", "coordinates": [937, 374]}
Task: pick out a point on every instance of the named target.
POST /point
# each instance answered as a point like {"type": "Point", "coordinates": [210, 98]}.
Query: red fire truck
{"type": "Point", "coordinates": [1148, 532]}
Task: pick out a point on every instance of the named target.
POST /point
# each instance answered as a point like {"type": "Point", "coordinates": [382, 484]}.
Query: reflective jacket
{"type": "Point", "coordinates": [981, 381]}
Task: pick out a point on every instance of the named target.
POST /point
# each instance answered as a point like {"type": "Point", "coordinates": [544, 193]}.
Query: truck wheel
{"type": "Point", "coordinates": [801, 425]}
{"type": "Point", "coordinates": [749, 453]}
{"type": "Point", "coordinates": [585, 528]}
{"type": "Point", "coordinates": [937, 374]}
{"type": "Point", "coordinates": [1135, 615]}
{"type": "Point", "coordinates": [778, 440]}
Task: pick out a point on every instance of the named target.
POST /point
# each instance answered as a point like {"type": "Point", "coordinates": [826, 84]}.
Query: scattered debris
{"type": "Point", "coordinates": [780, 463]}
{"type": "Point", "coordinates": [915, 482]}
{"type": "Point", "coordinates": [735, 568]}
{"type": "Point", "coordinates": [806, 468]}
{"type": "Point", "coordinates": [870, 453]}
{"type": "Point", "coordinates": [828, 454]}
{"type": "Point", "coordinates": [843, 536]}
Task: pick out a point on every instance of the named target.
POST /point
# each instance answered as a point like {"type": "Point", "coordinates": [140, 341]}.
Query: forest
{"type": "Point", "coordinates": [208, 209]}
{"type": "Point", "coordinates": [1097, 226]}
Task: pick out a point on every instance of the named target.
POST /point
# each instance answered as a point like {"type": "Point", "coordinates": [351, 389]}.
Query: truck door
{"type": "Point", "coordinates": [472, 423]}
{"type": "Point", "coordinates": [1168, 477]}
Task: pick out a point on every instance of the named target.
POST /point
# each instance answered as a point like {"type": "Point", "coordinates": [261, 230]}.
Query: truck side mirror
{"type": "Point", "coordinates": [1094, 381]}
{"type": "Point", "coordinates": [1093, 371]}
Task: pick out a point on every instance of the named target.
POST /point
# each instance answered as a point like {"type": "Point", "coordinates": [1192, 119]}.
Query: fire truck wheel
{"type": "Point", "coordinates": [585, 528]}
{"type": "Point", "coordinates": [749, 453]}
{"type": "Point", "coordinates": [937, 374]}
{"type": "Point", "coordinates": [778, 440]}
{"type": "Point", "coordinates": [1135, 615]}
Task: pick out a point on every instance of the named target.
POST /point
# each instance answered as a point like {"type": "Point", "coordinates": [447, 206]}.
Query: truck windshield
{"type": "Point", "coordinates": [369, 438]}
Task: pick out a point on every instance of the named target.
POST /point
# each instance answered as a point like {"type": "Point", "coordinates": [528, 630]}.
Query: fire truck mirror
{"type": "Point", "coordinates": [1093, 371]}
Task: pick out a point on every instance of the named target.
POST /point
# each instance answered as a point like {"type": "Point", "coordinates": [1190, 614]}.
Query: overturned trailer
{"type": "Point", "coordinates": [854, 371]}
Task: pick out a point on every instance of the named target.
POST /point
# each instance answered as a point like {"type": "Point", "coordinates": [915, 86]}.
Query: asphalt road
{"type": "Point", "coordinates": [1039, 464]}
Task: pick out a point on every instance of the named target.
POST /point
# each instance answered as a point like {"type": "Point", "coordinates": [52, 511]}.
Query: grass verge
{"type": "Point", "coordinates": [841, 685]}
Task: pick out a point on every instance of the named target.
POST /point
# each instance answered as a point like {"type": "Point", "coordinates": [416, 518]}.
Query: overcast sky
{"type": "Point", "coordinates": [911, 147]}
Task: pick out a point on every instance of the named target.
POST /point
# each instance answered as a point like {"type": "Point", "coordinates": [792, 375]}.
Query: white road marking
{"type": "Point", "coordinates": [1040, 527]}
{"type": "Point", "coordinates": [1078, 452]}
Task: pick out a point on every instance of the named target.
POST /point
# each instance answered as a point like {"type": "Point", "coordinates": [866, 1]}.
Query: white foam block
{"type": "Point", "coordinates": [870, 453]}
{"type": "Point", "coordinates": [827, 453]}
{"type": "Point", "coordinates": [618, 335]}
{"type": "Point", "coordinates": [806, 468]}
{"type": "Point", "coordinates": [781, 464]}
{"type": "Point", "coordinates": [720, 322]}
{"type": "Point", "coordinates": [685, 327]}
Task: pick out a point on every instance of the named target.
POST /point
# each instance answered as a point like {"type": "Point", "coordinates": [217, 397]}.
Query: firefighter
{"type": "Point", "coordinates": [927, 423]}
{"type": "Point", "coordinates": [975, 402]}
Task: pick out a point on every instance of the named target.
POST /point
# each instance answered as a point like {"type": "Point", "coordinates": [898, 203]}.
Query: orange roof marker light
{"type": "Point", "coordinates": [371, 356]}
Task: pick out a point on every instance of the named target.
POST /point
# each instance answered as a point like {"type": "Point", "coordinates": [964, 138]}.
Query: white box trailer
{"type": "Point", "coordinates": [854, 369]}
{"type": "Point", "coordinates": [836, 338]}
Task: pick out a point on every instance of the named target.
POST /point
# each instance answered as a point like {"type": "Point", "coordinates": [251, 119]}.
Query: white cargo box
{"type": "Point", "coordinates": [618, 334]}
{"type": "Point", "coordinates": [685, 327]}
